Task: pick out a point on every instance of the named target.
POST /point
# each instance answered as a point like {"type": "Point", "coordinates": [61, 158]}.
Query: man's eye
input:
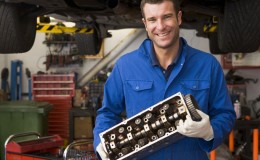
{"type": "Point", "coordinates": [151, 20]}
{"type": "Point", "coordinates": [167, 17]}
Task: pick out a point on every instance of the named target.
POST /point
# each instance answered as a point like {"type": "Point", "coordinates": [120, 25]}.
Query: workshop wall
{"type": "Point", "coordinates": [2, 61]}
{"type": "Point", "coordinates": [35, 58]}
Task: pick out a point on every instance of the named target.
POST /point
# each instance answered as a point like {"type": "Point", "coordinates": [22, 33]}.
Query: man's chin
{"type": "Point", "coordinates": [164, 45]}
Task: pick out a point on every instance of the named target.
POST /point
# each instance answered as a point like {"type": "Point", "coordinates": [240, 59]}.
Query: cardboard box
{"type": "Point", "coordinates": [83, 128]}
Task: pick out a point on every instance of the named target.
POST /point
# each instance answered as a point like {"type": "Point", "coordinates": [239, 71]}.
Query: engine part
{"type": "Point", "coordinates": [149, 130]}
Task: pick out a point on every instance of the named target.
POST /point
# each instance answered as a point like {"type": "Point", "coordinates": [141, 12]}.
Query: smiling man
{"type": "Point", "coordinates": [163, 65]}
{"type": "Point", "coordinates": [162, 25]}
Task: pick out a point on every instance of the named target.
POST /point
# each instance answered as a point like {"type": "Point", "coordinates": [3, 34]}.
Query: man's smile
{"type": "Point", "coordinates": [163, 34]}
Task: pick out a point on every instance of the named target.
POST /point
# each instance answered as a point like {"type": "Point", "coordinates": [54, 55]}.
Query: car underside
{"type": "Point", "coordinates": [237, 21]}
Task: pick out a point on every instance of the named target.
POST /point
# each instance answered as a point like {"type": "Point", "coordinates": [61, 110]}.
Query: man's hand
{"type": "Point", "coordinates": [103, 155]}
{"type": "Point", "coordinates": [201, 129]}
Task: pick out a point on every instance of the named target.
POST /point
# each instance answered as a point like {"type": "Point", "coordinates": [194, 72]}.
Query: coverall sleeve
{"type": "Point", "coordinates": [112, 106]}
{"type": "Point", "coordinates": [221, 111]}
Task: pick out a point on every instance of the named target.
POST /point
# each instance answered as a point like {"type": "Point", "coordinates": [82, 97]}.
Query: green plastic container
{"type": "Point", "coordinates": [22, 116]}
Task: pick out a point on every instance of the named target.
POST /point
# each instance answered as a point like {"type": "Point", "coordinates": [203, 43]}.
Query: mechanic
{"type": "Point", "coordinates": [163, 65]}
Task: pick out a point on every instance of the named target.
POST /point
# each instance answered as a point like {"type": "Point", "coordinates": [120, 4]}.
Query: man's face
{"type": "Point", "coordinates": [162, 24]}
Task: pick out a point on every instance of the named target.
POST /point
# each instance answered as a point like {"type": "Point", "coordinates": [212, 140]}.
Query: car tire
{"type": "Point", "coordinates": [17, 29]}
{"type": "Point", "coordinates": [88, 44]}
{"type": "Point", "coordinates": [213, 44]}
{"type": "Point", "coordinates": [239, 26]}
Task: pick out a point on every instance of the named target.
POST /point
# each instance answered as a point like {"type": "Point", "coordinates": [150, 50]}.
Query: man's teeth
{"type": "Point", "coordinates": [162, 34]}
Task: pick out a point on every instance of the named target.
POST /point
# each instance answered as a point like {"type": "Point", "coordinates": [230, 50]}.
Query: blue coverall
{"type": "Point", "coordinates": [136, 84]}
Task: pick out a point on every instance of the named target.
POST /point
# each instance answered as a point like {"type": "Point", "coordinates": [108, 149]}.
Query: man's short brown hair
{"type": "Point", "coordinates": [176, 4]}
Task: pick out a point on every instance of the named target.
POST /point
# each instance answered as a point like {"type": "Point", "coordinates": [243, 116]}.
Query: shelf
{"type": "Point", "coordinates": [50, 85]}
{"type": "Point", "coordinates": [53, 81]}
{"type": "Point", "coordinates": [227, 62]}
{"type": "Point", "coordinates": [54, 95]}
{"type": "Point", "coordinates": [59, 42]}
{"type": "Point", "coordinates": [47, 89]}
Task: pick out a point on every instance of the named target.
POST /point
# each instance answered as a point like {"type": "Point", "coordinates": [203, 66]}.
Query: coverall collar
{"type": "Point", "coordinates": [154, 59]}
{"type": "Point", "coordinates": [147, 49]}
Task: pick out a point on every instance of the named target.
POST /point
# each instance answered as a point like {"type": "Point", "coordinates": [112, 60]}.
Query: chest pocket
{"type": "Point", "coordinates": [138, 95]}
{"type": "Point", "coordinates": [197, 88]}
{"type": "Point", "coordinates": [139, 86]}
{"type": "Point", "coordinates": [195, 84]}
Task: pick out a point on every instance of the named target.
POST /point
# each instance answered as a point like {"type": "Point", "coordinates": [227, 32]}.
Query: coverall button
{"type": "Point", "coordinates": [137, 87]}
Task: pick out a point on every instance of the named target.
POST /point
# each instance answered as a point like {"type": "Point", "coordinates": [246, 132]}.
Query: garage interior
{"type": "Point", "coordinates": [36, 79]}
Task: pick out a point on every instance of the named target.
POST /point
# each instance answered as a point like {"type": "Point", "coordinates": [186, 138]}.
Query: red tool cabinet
{"type": "Point", "coordinates": [40, 148]}
{"type": "Point", "coordinates": [58, 90]}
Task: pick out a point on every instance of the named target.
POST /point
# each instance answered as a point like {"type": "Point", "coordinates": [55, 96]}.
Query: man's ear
{"type": "Point", "coordinates": [144, 22]}
{"type": "Point", "coordinates": [179, 16]}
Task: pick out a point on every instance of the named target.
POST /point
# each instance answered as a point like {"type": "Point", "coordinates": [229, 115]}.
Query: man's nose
{"type": "Point", "coordinates": [160, 24]}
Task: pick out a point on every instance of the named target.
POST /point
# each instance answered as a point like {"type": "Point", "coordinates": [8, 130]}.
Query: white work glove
{"type": "Point", "coordinates": [200, 129]}
{"type": "Point", "coordinates": [102, 153]}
